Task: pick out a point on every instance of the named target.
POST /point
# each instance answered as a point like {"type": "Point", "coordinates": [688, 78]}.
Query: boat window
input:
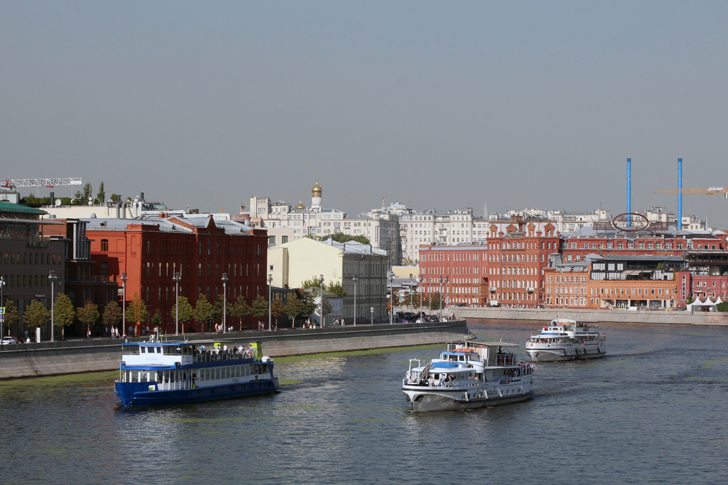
{"type": "Point", "coordinates": [227, 372]}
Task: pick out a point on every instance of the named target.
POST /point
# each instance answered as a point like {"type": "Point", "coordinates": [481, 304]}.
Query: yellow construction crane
{"type": "Point", "coordinates": [708, 190]}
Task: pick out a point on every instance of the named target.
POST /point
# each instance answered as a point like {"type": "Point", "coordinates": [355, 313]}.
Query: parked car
{"type": "Point", "coordinates": [9, 340]}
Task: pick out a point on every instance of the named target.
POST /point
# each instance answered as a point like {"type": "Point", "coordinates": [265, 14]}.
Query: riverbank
{"type": "Point", "coordinates": [605, 316]}
{"type": "Point", "coordinates": [69, 357]}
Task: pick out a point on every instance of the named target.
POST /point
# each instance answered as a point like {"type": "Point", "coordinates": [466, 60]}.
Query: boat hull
{"type": "Point", "coordinates": [138, 393]}
{"type": "Point", "coordinates": [538, 355]}
{"type": "Point", "coordinates": [436, 402]}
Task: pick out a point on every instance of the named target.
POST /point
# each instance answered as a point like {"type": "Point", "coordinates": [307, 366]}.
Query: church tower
{"type": "Point", "coordinates": [316, 196]}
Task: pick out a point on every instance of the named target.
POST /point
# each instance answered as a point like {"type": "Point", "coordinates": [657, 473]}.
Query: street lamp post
{"type": "Point", "coordinates": [419, 294]}
{"type": "Point", "coordinates": [356, 279]}
{"type": "Point", "coordinates": [447, 290]}
{"type": "Point", "coordinates": [439, 300]}
{"type": "Point", "coordinates": [123, 279]}
{"type": "Point", "coordinates": [321, 287]}
{"type": "Point", "coordinates": [2, 319]}
{"type": "Point", "coordinates": [176, 277]}
{"type": "Point", "coordinates": [224, 302]}
{"type": "Point", "coordinates": [391, 298]}
{"type": "Point", "coordinates": [270, 313]}
{"type": "Point", "coordinates": [52, 276]}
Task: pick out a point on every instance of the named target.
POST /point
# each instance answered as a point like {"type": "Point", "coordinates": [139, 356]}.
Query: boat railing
{"type": "Point", "coordinates": [415, 377]}
{"type": "Point", "coordinates": [213, 356]}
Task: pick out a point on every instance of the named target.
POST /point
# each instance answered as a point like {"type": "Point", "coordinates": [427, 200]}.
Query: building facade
{"type": "Point", "coordinates": [286, 223]}
{"type": "Point", "coordinates": [27, 258]}
{"type": "Point", "coordinates": [507, 269]}
{"type": "Point", "coordinates": [200, 250]}
{"type": "Point", "coordinates": [614, 282]}
{"type": "Point", "coordinates": [297, 261]}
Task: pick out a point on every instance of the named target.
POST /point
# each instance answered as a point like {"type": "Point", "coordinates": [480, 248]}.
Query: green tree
{"type": "Point", "coordinates": [340, 237]}
{"type": "Point", "coordinates": [88, 314]}
{"type": "Point", "coordinates": [722, 307]}
{"type": "Point", "coordinates": [88, 193]}
{"type": "Point", "coordinates": [434, 301]}
{"type": "Point", "coordinates": [240, 309]}
{"type": "Point", "coordinates": [324, 308]}
{"type": "Point", "coordinates": [259, 307]}
{"type": "Point", "coordinates": [278, 309]}
{"type": "Point", "coordinates": [314, 282]}
{"type": "Point", "coordinates": [203, 309]}
{"type": "Point", "coordinates": [77, 198]}
{"type": "Point", "coordinates": [157, 319]}
{"type": "Point", "coordinates": [101, 195]}
{"type": "Point", "coordinates": [63, 313]}
{"type": "Point", "coordinates": [186, 313]}
{"type": "Point", "coordinates": [115, 198]}
{"type": "Point", "coordinates": [295, 307]}
{"type": "Point", "coordinates": [36, 315]}
{"type": "Point", "coordinates": [337, 288]}
{"type": "Point", "coordinates": [137, 311]}
{"type": "Point", "coordinates": [112, 314]}
{"type": "Point", "coordinates": [11, 313]}
{"type": "Point", "coordinates": [309, 304]}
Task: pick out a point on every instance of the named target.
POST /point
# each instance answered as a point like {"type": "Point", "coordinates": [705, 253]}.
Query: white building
{"type": "Point", "coordinates": [293, 263]}
{"type": "Point", "coordinates": [286, 223]}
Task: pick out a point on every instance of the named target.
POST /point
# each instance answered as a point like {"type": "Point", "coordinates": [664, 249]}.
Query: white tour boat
{"type": "Point", "coordinates": [468, 375]}
{"type": "Point", "coordinates": [564, 339]}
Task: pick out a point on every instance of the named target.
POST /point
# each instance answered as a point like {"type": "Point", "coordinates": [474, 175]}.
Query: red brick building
{"type": "Point", "coordinates": [508, 268]}
{"type": "Point", "coordinates": [200, 248]}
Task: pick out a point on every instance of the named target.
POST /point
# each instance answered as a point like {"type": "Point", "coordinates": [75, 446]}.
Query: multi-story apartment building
{"type": "Point", "coordinates": [293, 263]}
{"type": "Point", "coordinates": [200, 249]}
{"type": "Point", "coordinates": [508, 268]}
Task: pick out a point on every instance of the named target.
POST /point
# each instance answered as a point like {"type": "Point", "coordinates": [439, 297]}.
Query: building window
{"type": "Point", "coordinates": [104, 244]}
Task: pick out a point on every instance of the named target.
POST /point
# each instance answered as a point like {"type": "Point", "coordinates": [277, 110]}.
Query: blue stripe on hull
{"type": "Point", "coordinates": [184, 396]}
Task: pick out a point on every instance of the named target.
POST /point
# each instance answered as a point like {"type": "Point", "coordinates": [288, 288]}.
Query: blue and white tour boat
{"type": "Point", "coordinates": [157, 373]}
{"type": "Point", "coordinates": [564, 339]}
{"type": "Point", "coordinates": [468, 375]}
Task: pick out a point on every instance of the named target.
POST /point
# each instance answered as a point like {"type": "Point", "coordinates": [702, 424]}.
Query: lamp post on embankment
{"type": "Point", "coordinates": [53, 277]}
{"type": "Point", "coordinates": [356, 279]}
{"type": "Point", "coordinates": [123, 279]}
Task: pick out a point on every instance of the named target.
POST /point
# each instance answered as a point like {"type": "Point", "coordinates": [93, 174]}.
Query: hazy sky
{"type": "Point", "coordinates": [434, 104]}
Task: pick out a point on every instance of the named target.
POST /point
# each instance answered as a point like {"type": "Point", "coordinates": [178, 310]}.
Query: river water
{"type": "Point", "coordinates": [653, 411]}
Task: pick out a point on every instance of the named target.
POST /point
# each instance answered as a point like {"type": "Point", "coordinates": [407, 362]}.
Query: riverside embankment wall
{"type": "Point", "coordinates": [606, 316]}
{"type": "Point", "coordinates": [54, 358]}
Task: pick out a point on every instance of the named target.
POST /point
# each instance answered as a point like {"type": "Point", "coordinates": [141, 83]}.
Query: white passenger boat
{"type": "Point", "coordinates": [468, 375]}
{"type": "Point", "coordinates": [158, 373]}
{"type": "Point", "coordinates": [564, 339]}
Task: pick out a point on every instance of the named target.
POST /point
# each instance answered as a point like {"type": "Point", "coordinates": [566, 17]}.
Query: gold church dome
{"type": "Point", "coordinates": [300, 205]}
{"type": "Point", "coordinates": [316, 190]}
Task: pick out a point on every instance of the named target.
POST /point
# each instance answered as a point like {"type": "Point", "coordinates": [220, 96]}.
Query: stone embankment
{"type": "Point", "coordinates": [54, 358]}
{"type": "Point", "coordinates": [605, 316]}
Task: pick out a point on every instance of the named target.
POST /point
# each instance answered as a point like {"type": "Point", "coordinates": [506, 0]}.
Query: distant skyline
{"type": "Point", "coordinates": [435, 105]}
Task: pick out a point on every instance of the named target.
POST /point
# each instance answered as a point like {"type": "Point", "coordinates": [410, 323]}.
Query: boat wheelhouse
{"type": "Point", "coordinates": [565, 339]}
{"type": "Point", "coordinates": [158, 373]}
{"type": "Point", "coordinates": [468, 375]}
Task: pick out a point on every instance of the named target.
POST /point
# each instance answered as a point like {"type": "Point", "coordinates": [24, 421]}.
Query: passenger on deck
{"type": "Point", "coordinates": [202, 348]}
{"type": "Point", "coordinates": [431, 381]}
